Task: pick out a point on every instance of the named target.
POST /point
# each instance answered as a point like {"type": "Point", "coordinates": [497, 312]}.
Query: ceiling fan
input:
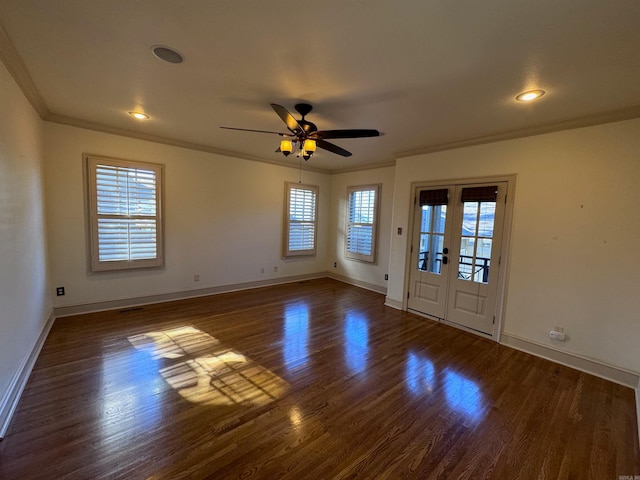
{"type": "Point", "coordinates": [305, 136]}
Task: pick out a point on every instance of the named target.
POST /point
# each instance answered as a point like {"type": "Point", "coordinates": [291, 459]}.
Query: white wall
{"type": "Point", "coordinates": [223, 219]}
{"type": "Point", "coordinates": [25, 301]}
{"type": "Point", "coordinates": [575, 246]}
{"type": "Point", "coordinates": [372, 274]}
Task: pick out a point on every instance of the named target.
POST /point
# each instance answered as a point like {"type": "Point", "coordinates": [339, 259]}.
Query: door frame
{"type": "Point", "coordinates": [501, 293]}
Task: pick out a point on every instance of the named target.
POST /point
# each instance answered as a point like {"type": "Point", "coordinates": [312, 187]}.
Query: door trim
{"type": "Point", "coordinates": [501, 293]}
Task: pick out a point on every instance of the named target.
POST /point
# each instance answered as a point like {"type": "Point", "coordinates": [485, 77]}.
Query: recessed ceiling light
{"type": "Point", "coordinates": [530, 95]}
{"type": "Point", "coordinates": [167, 54]}
{"type": "Point", "coordinates": [139, 115]}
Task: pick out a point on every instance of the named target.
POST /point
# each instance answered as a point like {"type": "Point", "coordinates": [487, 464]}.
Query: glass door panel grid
{"type": "Point", "coordinates": [432, 238]}
{"type": "Point", "coordinates": [476, 241]}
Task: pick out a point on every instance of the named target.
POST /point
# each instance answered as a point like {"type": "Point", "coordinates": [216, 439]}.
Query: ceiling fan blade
{"type": "Point", "coordinates": [353, 133]}
{"type": "Point", "coordinates": [259, 131]}
{"type": "Point", "coordinates": [291, 123]}
{"type": "Point", "coordinates": [332, 148]}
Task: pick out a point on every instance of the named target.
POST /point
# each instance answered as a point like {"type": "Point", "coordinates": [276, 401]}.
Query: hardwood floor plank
{"type": "Point", "coordinates": [313, 380]}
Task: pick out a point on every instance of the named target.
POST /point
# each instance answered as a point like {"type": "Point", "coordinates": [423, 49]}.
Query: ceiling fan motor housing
{"type": "Point", "coordinates": [303, 108]}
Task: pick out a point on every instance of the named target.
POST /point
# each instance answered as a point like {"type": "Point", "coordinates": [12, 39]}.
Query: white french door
{"type": "Point", "coordinates": [455, 253]}
{"type": "Point", "coordinates": [429, 277]}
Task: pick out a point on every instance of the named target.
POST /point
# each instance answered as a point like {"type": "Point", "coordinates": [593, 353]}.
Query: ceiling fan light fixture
{"type": "Point", "coordinates": [530, 95]}
{"type": "Point", "coordinates": [286, 147]}
{"type": "Point", "coordinates": [309, 146]}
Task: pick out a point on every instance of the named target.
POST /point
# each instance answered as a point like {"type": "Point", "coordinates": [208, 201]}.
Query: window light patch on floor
{"type": "Point", "coordinates": [208, 372]}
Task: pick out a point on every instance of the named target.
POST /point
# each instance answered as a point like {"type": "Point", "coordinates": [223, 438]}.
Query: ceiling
{"type": "Point", "coordinates": [428, 74]}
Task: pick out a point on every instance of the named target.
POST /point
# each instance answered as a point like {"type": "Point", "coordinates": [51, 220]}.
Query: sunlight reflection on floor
{"type": "Point", "coordinates": [463, 395]}
{"type": "Point", "coordinates": [208, 372]}
{"type": "Point", "coordinates": [420, 374]}
{"type": "Point", "coordinates": [356, 342]}
{"type": "Point", "coordinates": [296, 335]}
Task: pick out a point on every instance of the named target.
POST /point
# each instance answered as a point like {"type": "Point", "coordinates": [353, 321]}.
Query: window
{"type": "Point", "coordinates": [362, 219]}
{"type": "Point", "coordinates": [300, 220]}
{"type": "Point", "coordinates": [125, 214]}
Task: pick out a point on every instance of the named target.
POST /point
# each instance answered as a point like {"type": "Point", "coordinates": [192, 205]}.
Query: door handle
{"type": "Point", "coordinates": [445, 260]}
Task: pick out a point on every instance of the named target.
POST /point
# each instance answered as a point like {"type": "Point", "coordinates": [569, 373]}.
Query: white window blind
{"type": "Point", "coordinates": [362, 214]}
{"type": "Point", "coordinates": [300, 220]}
{"type": "Point", "coordinates": [125, 208]}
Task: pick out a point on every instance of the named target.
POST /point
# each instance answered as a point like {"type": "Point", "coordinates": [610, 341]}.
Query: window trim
{"type": "Point", "coordinates": [95, 265]}
{"type": "Point", "coordinates": [371, 258]}
{"type": "Point", "coordinates": [286, 253]}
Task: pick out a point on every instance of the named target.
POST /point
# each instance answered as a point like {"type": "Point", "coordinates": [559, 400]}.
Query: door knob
{"type": "Point", "coordinates": [445, 250]}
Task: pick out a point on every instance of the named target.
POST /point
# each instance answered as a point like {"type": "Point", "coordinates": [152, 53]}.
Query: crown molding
{"type": "Point", "coordinates": [18, 70]}
{"type": "Point", "coordinates": [363, 167]}
{"type": "Point", "coordinates": [98, 127]}
{"type": "Point", "coordinates": [586, 121]}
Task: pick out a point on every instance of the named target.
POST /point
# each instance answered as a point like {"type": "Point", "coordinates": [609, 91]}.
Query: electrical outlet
{"type": "Point", "coordinates": [60, 291]}
{"type": "Point", "coordinates": [386, 276]}
{"type": "Point", "coordinates": [262, 270]}
{"type": "Point", "coordinates": [275, 269]}
{"type": "Point", "coordinates": [335, 264]}
{"type": "Point", "coordinates": [196, 277]}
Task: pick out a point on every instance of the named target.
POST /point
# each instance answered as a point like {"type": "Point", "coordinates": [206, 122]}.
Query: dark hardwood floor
{"type": "Point", "coordinates": [315, 380]}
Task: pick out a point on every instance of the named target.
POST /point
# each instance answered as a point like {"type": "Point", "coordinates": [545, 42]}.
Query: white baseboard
{"type": "Point", "coordinates": [9, 401]}
{"type": "Point", "coordinates": [358, 283]}
{"type": "Point", "coordinates": [584, 364]}
{"type": "Point", "coordinates": [393, 303]}
{"type": "Point", "coordinates": [67, 310]}
{"type": "Point", "coordinates": [638, 409]}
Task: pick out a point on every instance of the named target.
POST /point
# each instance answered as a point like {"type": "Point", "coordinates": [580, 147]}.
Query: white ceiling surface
{"type": "Point", "coordinates": [423, 72]}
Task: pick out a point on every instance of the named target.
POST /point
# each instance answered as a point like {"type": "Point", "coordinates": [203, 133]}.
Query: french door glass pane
{"type": "Point", "coordinates": [425, 224]}
{"type": "Point", "coordinates": [483, 260]}
{"type": "Point", "coordinates": [440, 217]}
{"type": "Point", "coordinates": [470, 218]}
{"type": "Point", "coordinates": [465, 266]}
{"type": "Point", "coordinates": [475, 246]}
{"type": "Point", "coordinates": [437, 242]}
{"type": "Point", "coordinates": [487, 215]}
{"type": "Point", "coordinates": [432, 226]}
{"type": "Point", "coordinates": [423, 257]}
